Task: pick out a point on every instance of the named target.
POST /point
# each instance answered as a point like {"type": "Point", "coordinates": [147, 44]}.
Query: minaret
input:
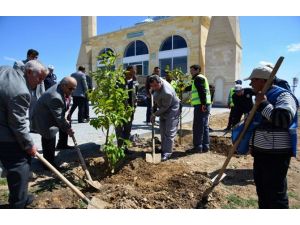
{"type": "Point", "coordinates": [223, 55]}
{"type": "Point", "coordinates": [88, 30]}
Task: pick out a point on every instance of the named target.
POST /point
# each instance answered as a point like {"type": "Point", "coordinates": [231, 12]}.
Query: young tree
{"type": "Point", "coordinates": [108, 100]}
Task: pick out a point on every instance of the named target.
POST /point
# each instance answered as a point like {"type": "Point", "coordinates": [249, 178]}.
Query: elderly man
{"type": "Point", "coordinates": [274, 140]}
{"type": "Point", "coordinates": [49, 115]}
{"type": "Point", "coordinates": [37, 92]}
{"type": "Point", "coordinates": [16, 145]}
{"type": "Point", "coordinates": [168, 103]}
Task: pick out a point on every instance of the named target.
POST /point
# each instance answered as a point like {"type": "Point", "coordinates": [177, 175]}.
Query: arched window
{"type": "Point", "coordinates": [136, 53]}
{"type": "Point", "coordinates": [136, 48]}
{"type": "Point", "coordinates": [173, 42]}
{"type": "Point", "coordinates": [173, 54]}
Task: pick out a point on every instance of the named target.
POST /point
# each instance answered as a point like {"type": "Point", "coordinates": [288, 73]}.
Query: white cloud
{"type": "Point", "coordinates": [293, 47]}
{"type": "Point", "coordinates": [9, 58]}
{"type": "Point", "coordinates": [264, 63]}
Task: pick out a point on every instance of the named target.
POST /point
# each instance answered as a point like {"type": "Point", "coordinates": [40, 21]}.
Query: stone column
{"type": "Point", "coordinates": [223, 55]}
{"type": "Point", "coordinates": [88, 30]}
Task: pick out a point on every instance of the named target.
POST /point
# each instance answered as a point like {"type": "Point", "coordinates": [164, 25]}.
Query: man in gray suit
{"type": "Point", "coordinates": [49, 115]}
{"type": "Point", "coordinates": [79, 95]}
{"type": "Point", "coordinates": [169, 104]}
{"type": "Point", "coordinates": [16, 145]}
{"type": "Point", "coordinates": [37, 92]}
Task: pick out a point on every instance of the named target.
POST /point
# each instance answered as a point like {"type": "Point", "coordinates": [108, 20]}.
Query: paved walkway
{"type": "Point", "coordinates": [85, 133]}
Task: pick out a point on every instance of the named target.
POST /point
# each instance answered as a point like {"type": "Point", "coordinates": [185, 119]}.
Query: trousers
{"type": "Point", "coordinates": [17, 163]}
{"type": "Point", "coordinates": [200, 128]}
{"type": "Point", "coordinates": [269, 171]}
{"type": "Point", "coordinates": [168, 129]}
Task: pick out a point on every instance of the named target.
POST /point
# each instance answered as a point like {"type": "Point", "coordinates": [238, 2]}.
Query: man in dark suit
{"type": "Point", "coordinates": [49, 115]}
{"type": "Point", "coordinates": [89, 82]}
{"type": "Point", "coordinates": [79, 94]}
{"type": "Point", "coordinates": [124, 131]}
{"type": "Point", "coordinates": [16, 145]}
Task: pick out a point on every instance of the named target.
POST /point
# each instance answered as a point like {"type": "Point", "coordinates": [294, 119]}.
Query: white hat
{"type": "Point", "coordinates": [238, 87]}
{"type": "Point", "coordinates": [51, 67]}
{"type": "Point", "coordinates": [260, 73]}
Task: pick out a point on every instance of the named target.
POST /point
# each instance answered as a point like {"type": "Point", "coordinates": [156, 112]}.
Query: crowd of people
{"type": "Point", "coordinates": [31, 87]}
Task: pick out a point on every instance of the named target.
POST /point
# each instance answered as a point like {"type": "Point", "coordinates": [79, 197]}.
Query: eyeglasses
{"type": "Point", "coordinates": [71, 89]}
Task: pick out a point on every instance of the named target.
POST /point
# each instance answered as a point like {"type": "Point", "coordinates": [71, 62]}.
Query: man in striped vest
{"type": "Point", "coordinates": [201, 100]}
{"type": "Point", "coordinates": [274, 140]}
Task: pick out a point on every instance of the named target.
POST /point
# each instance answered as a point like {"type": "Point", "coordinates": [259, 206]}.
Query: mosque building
{"type": "Point", "coordinates": [175, 42]}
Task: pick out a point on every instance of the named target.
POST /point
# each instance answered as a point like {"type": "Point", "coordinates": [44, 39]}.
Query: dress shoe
{"type": "Point", "coordinates": [30, 199]}
{"type": "Point", "coordinates": [128, 152]}
{"type": "Point", "coordinates": [166, 156]}
{"type": "Point", "coordinates": [64, 147]}
{"type": "Point", "coordinates": [83, 121]}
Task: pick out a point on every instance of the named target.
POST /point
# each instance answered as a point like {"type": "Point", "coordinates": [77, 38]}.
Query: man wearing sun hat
{"type": "Point", "coordinates": [274, 141]}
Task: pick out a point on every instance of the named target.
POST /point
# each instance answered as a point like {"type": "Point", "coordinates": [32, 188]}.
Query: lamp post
{"type": "Point", "coordinates": [295, 83]}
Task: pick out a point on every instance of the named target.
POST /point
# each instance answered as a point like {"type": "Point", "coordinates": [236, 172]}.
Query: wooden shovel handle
{"type": "Point", "coordinates": [62, 178]}
{"type": "Point", "coordinates": [83, 164]}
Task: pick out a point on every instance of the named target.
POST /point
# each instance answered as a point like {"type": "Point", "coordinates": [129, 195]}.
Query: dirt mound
{"type": "Point", "coordinates": [143, 185]}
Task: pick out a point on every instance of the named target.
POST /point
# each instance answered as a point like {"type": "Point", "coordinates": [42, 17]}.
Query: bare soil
{"type": "Point", "coordinates": [176, 183]}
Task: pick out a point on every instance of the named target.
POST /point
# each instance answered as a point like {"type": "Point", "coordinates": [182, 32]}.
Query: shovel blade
{"type": "Point", "coordinates": [156, 158]}
{"type": "Point", "coordinates": [97, 203]}
{"type": "Point", "coordinates": [94, 184]}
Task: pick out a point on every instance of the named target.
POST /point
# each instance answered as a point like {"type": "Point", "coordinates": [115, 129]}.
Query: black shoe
{"type": "Point", "coordinates": [158, 150]}
{"type": "Point", "coordinates": [211, 130]}
{"type": "Point", "coordinates": [194, 150]}
{"type": "Point", "coordinates": [128, 152]}
{"type": "Point", "coordinates": [64, 147]}
{"type": "Point", "coordinates": [30, 199]}
{"type": "Point", "coordinates": [83, 121]}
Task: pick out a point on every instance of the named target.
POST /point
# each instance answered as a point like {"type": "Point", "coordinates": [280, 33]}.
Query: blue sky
{"type": "Point", "coordinates": [58, 41]}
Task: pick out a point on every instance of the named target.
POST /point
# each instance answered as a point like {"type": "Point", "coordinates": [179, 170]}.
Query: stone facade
{"type": "Point", "coordinates": [194, 30]}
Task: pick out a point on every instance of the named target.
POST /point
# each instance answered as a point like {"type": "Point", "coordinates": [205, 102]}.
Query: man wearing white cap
{"type": "Point", "coordinates": [51, 78]}
{"type": "Point", "coordinates": [274, 140]}
{"type": "Point", "coordinates": [242, 103]}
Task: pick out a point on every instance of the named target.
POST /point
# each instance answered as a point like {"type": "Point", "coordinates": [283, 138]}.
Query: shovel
{"type": "Point", "coordinates": [94, 184]}
{"type": "Point", "coordinates": [153, 158]}
{"type": "Point", "coordinates": [218, 178]}
{"type": "Point", "coordinates": [90, 203]}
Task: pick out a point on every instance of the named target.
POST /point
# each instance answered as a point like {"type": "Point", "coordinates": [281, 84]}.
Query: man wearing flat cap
{"type": "Point", "coordinates": [274, 140]}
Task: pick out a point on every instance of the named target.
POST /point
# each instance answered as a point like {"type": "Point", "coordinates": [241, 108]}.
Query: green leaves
{"type": "Point", "coordinates": [109, 103]}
